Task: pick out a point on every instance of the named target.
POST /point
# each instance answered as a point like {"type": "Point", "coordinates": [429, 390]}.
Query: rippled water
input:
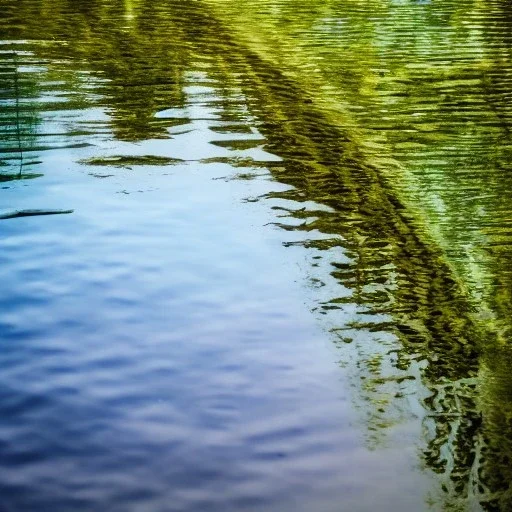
{"type": "Point", "coordinates": [284, 284]}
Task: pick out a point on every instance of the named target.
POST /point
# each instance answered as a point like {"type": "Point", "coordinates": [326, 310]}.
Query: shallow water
{"type": "Point", "coordinates": [272, 292]}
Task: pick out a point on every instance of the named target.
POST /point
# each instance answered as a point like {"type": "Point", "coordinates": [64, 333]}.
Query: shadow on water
{"type": "Point", "coordinates": [403, 286]}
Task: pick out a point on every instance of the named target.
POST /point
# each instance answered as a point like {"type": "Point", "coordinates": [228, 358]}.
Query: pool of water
{"type": "Point", "coordinates": [246, 309]}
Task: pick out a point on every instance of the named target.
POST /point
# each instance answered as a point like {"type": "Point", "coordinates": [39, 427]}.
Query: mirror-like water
{"type": "Point", "coordinates": [284, 284]}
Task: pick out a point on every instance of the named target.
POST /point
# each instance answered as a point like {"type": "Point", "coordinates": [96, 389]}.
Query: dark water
{"type": "Point", "coordinates": [285, 281]}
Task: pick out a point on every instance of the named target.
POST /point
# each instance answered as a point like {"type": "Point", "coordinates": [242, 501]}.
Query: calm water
{"type": "Point", "coordinates": [285, 284]}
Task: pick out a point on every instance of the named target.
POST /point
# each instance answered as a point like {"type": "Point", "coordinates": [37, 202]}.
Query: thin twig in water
{"type": "Point", "coordinates": [29, 213]}
{"type": "Point", "coordinates": [18, 124]}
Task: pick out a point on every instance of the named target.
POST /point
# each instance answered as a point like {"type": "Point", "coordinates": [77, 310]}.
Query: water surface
{"type": "Point", "coordinates": [284, 282]}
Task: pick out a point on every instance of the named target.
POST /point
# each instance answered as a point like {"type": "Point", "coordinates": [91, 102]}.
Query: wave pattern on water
{"type": "Point", "coordinates": [155, 353]}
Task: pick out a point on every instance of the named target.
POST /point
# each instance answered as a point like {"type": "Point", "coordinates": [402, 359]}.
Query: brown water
{"type": "Point", "coordinates": [285, 281]}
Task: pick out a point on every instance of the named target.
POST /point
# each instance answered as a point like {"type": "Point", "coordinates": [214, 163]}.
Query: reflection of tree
{"type": "Point", "coordinates": [135, 48]}
{"type": "Point", "coordinates": [18, 121]}
{"type": "Point", "coordinates": [428, 92]}
{"type": "Point", "coordinates": [399, 285]}
{"type": "Point", "coordinates": [495, 402]}
{"type": "Point", "coordinates": [391, 272]}
{"type": "Point", "coordinates": [144, 66]}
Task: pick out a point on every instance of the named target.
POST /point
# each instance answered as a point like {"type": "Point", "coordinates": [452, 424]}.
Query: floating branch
{"type": "Point", "coordinates": [29, 213]}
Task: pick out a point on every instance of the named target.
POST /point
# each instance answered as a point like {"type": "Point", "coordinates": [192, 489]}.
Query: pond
{"type": "Point", "coordinates": [255, 255]}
